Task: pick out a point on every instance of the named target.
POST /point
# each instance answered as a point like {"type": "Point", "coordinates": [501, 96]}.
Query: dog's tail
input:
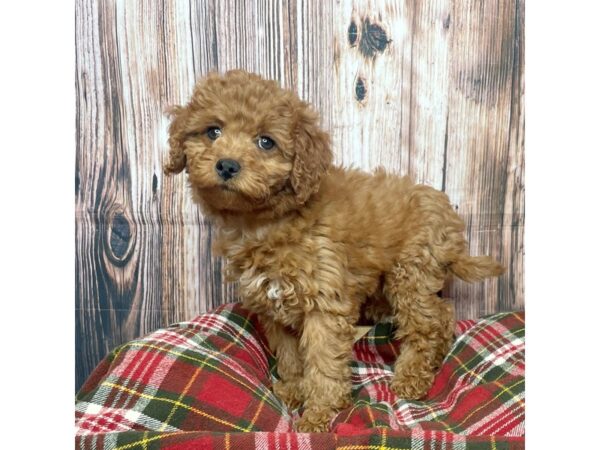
{"type": "Point", "coordinates": [476, 268]}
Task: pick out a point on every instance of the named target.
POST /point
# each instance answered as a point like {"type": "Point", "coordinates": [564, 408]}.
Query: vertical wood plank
{"type": "Point", "coordinates": [511, 292]}
{"type": "Point", "coordinates": [371, 38]}
{"type": "Point", "coordinates": [389, 56]}
{"type": "Point", "coordinates": [484, 85]}
{"type": "Point", "coordinates": [315, 41]}
{"type": "Point", "coordinates": [430, 67]}
{"type": "Point", "coordinates": [189, 285]}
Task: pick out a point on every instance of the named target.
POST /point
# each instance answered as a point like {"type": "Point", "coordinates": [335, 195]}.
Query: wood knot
{"type": "Point", "coordinates": [360, 90]}
{"type": "Point", "coordinates": [154, 183]}
{"type": "Point", "coordinates": [77, 183]}
{"type": "Point", "coordinates": [119, 238]}
{"type": "Point", "coordinates": [373, 39]}
{"type": "Point", "coordinates": [446, 23]}
{"type": "Point", "coordinates": [352, 33]}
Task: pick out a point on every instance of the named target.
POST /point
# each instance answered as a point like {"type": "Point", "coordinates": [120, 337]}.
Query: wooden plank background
{"type": "Point", "coordinates": [433, 89]}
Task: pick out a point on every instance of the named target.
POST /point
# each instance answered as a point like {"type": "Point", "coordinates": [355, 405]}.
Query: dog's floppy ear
{"type": "Point", "coordinates": [313, 156]}
{"type": "Point", "coordinates": [176, 162]}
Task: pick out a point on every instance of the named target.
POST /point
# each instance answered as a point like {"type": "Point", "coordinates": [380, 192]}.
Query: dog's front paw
{"type": "Point", "coordinates": [409, 386]}
{"type": "Point", "coordinates": [315, 420]}
{"type": "Point", "coordinates": [290, 392]}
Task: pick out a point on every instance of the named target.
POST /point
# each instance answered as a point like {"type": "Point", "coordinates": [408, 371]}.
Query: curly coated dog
{"type": "Point", "coordinates": [311, 244]}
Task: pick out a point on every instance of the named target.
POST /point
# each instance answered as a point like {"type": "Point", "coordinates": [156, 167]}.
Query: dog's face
{"type": "Point", "coordinates": [247, 145]}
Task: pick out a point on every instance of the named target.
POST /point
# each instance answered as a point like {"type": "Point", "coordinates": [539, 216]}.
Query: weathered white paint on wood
{"type": "Point", "coordinates": [431, 89]}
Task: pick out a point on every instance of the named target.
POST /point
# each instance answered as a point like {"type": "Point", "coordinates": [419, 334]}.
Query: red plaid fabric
{"type": "Point", "coordinates": [207, 383]}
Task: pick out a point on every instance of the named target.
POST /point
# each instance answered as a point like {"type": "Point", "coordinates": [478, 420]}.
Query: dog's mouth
{"type": "Point", "coordinates": [231, 192]}
{"type": "Point", "coordinates": [242, 195]}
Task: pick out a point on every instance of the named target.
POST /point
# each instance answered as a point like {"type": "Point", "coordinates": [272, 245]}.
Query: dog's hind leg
{"type": "Point", "coordinates": [425, 323]}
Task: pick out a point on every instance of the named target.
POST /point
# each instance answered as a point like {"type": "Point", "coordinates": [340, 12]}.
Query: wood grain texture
{"type": "Point", "coordinates": [431, 89]}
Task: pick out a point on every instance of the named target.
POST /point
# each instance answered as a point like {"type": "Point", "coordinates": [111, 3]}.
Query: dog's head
{"type": "Point", "coordinates": [247, 145]}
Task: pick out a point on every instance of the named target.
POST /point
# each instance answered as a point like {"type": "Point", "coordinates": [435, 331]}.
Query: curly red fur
{"type": "Point", "coordinates": [311, 243]}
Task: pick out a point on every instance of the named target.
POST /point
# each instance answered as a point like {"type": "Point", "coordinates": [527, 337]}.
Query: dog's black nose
{"type": "Point", "coordinates": [227, 168]}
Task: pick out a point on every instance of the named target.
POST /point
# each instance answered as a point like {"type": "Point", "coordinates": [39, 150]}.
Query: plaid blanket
{"type": "Point", "coordinates": [207, 383]}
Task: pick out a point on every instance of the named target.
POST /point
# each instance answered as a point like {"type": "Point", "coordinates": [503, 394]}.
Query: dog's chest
{"type": "Point", "coordinates": [270, 275]}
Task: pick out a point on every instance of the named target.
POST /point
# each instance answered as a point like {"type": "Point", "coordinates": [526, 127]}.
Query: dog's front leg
{"type": "Point", "coordinates": [289, 364]}
{"type": "Point", "coordinates": [326, 344]}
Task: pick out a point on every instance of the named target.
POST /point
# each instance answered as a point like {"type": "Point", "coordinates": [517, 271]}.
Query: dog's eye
{"type": "Point", "coordinates": [265, 142]}
{"type": "Point", "coordinates": [214, 133]}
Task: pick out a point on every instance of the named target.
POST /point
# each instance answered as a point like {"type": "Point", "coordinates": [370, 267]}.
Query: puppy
{"type": "Point", "coordinates": [310, 243]}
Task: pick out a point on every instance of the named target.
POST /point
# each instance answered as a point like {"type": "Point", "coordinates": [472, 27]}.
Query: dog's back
{"type": "Point", "coordinates": [376, 217]}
